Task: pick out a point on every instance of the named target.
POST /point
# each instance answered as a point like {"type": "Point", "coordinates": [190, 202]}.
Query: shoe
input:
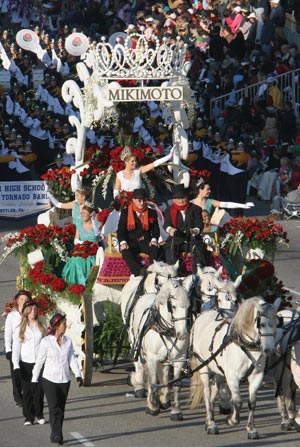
{"type": "Point", "coordinates": [58, 440]}
{"type": "Point", "coordinates": [40, 421]}
{"type": "Point", "coordinates": [26, 423]}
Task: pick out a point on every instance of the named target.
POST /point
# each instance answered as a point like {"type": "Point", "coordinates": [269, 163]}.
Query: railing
{"type": "Point", "coordinates": [288, 83]}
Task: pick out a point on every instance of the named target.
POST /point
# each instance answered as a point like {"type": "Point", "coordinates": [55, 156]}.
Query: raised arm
{"type": "Point", "coordinates": [156, 163]}
{"type": "Point", "coordinates": [232, 205]}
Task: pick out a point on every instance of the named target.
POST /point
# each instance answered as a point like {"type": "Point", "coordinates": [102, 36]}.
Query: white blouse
{"type": "Point", "coordinates": [130, 184]}
{"type": "Point", "coordinates": [58, 359]}
{"type": "Point", "coordinates": [27, 350]}
{"type": "Point", "coordinates": [12, 321]}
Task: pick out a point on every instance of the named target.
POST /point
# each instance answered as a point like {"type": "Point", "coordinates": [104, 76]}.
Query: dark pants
{"type": "Point", "coordinates": [33, 401]}
{"type": "Point", "coordinates": [174, 246]}
{"type": "Point", "coordinates": [17, 384]}
{"type": "Point", "coordinates": [130, 255]}
{"type": "Point", "coordinates": [56, 394]}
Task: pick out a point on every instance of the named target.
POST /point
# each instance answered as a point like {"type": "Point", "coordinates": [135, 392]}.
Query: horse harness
{"type": "Point", "coordinates": [156, 322]}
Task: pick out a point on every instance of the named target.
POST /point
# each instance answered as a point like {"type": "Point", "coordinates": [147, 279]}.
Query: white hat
{"type": "Point", "coordinates": [275, 1]}
{"type": "Point", "coordinates": [237, 9]}
{"type": "Point", "coordinates": [130, 28]}
{"type": "Point", "coordinates": [251, 16]}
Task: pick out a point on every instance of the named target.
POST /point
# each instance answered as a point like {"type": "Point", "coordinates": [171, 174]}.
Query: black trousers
{"type": "Point", "coordinates": [56, 394]}
{"type": "Point", "coordinates": [17, 384]}
{"type": "Point", "coordinates": [174, 246]}
{"type": "Point", "coordinates": [130, 255]}
{"type": "Point", "coordinates": [33, 401]}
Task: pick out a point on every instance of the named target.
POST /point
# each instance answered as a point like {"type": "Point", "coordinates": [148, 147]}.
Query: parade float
{"type": "Point", "coordinates": [113, 78]}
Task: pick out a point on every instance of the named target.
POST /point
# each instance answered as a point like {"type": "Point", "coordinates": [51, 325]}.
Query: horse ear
{"type": "Point", "coordinates": [277, 303]}
{"type": "Point", "coordinates": [200, 272]}
{"type": "Point", "coordinates": [219, 272]}
{"type": "Point", "coordinates": [187, 282]}
{"type": "Point", "coordinates": [237, 282]}
{"type": "Point", "coordinates": [176, 265]}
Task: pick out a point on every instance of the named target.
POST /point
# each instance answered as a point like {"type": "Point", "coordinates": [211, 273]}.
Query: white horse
{"type": "Point", "coordinates": [234, 351]}
{"type": "Point", "coordinates": [159, 335]}
{"type": "Point", "coordinates": [285, 367]}
{"type": "Point", "coordinates": [216, 292]}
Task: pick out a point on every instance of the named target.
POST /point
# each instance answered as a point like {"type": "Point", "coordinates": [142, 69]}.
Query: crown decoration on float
{"type": "Point", "coordinates": [148, 60]}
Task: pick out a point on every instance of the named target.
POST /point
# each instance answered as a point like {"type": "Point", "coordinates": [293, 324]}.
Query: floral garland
{"type": "Point", "coordinates": [42, 279]}
{"type": "Point", "coordinates": [53, 240]}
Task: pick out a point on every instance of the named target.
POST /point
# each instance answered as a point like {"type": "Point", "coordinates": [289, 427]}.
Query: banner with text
{"type": "Point", "coordinates": [22, 199]}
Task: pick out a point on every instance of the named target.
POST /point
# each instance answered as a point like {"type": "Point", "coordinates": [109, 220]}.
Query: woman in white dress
{"type": "Point", "coordinates": [130, 177]}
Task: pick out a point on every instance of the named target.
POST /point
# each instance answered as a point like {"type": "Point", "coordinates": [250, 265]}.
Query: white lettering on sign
{"type": "Point", "coordinates": [19, 199]}
{"type": "Point", "coordinates": [138, 94]}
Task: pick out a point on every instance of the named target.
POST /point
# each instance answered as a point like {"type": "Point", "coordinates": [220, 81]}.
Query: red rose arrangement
{"type": "Point", "coordinates": [103, 215]}
{"type": "Point", "coordinates": [85, 249]}
{"type": "Point", "coordinates": [259, 280]}
{"type": "Point", "coordinates": [253, 233]}
{"type": "Point", "coordinates": [59, 183]}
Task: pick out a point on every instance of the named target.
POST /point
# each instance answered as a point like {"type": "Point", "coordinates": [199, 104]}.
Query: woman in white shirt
{"type": "Point", "coordinates": [130, 177]}
{"type": "Point", "coordinates": [26, 342]}
{"type": "Point", "coordinates": [12, 321]}
{"type": "Point", "coordinates": [57, 355]}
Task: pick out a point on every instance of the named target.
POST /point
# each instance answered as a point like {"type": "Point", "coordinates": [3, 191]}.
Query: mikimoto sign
{"type": "Point", "coordinates": [136, 94]}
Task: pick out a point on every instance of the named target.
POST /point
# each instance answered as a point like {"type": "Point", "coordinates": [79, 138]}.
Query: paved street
{"type": "Point", "coordinates": [106, 414]}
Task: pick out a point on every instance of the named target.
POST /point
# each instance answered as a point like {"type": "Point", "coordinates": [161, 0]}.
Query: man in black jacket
{"type": "Point", "coordinates": [138, 232]}
{"type": "Point", "coordinates": [183, 223]}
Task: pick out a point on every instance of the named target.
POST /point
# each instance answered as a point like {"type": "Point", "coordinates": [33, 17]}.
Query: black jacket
{"type": "Point", "coordinates": [138, 233]}
{"type": "Point", "coordinates": [193, 219]}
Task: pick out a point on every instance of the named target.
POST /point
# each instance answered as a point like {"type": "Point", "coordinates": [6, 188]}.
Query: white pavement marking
{"type": "Point", "coordinates": [81, 439]}
{"type": "Point", "coordinates": [292, 291]}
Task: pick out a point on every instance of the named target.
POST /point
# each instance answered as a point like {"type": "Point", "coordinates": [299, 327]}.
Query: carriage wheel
{"type": "Point", "coordinates": [87, 339]}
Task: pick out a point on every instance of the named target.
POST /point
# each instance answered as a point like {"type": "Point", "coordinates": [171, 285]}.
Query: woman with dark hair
{"type": "Point", "coordinates": [204, 201]}
{"type": "Point", "coordinates": [26, 342]}
{"type": "Point", "coordinates": [12, 321]}
{"type": "Point", "coordinates": [56, 355]}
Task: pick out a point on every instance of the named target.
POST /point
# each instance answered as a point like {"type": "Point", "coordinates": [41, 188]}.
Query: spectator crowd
{"type": "Point", "coordinates": [230, 45]}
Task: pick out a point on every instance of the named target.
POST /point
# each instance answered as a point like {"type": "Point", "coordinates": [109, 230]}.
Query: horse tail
{"type": "Point", "coordinates": [196, 388]}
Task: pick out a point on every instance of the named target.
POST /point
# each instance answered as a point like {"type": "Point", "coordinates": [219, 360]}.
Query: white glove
{"type": "Point", "coordinates": [46, 189]}
{"type": "Point", "coordinates": [95, 224]}
{"type": "Point", "coordinates": [234, 205]}
{"type": "Point", "coordinates": [116, 193]}
{"type": "Point", "coordinates": [55, 202]}
{"type": "Point", "coordinates": [77, 242]}
{"type": "Point", "coordinates": [162, 160]}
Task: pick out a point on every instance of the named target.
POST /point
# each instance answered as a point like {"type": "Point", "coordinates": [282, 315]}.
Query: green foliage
{"type": "Point", "coordinates": [107, 335]}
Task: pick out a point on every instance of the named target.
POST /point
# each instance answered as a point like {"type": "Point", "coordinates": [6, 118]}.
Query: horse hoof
{"type": "Point", "coordinates": [253, 435]}
{"type": "Point", "coordinates": [165, 405]}
{"type": "Point", "coordinates": [213, 431]}
{"type": "Point", "coordinates": [140, 394]}
{"type": "Point", "coordinates": [297, 426]}
{"type": "Point", "coordinates": [287, 426]}
{"type": "Point", "coordinates": [176, 417]}
{"type": "Point", "coordinates": [152, 412]}
{"type": "Point", "coordinates": [224, 410]}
